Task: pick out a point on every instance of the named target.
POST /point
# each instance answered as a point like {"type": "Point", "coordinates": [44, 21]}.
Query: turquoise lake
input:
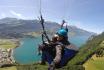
{"type": "Point", "coordinates": [27, 52]}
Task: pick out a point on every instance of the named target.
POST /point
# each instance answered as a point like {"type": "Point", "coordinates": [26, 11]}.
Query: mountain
{"type": "Point", "coordinates": [13, 26]}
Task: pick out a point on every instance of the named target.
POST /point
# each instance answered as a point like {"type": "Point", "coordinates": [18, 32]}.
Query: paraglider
{"type": "Point", "coordinates": [58, 51]}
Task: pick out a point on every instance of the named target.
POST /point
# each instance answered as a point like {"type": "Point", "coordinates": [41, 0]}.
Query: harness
{"type": "Point", "coordinates": [51, 49]}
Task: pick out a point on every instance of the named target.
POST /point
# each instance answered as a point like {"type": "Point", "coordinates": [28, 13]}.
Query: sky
{"type": "Point", "coordinates": [84, 14]}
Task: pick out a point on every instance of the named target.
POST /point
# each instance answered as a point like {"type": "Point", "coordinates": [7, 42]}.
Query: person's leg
{"type": "Point", "coordinates": [68, 54]}
{"type": "Point", "coordinates": [47, 57]}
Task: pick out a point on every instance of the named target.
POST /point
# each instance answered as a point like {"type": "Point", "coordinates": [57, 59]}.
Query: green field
{"type": "Point", "coordinates": [95, 63]}
{"type": "Point", "coordinates": [8, 43]}
{"type": "Point", "coordinates": [9, 68]}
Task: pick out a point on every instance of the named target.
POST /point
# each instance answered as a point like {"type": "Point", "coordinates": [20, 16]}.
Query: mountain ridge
{"type": "Point", "coordinates": [18, 26]}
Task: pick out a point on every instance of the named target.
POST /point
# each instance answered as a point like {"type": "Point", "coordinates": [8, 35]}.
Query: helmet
{"type": "Point", "coordinates": [62, 32]}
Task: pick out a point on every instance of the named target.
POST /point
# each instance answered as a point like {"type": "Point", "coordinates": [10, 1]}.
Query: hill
{"type": "Point", "coordinates": [13, 27]}
{"type": "Point", "coordinates": [94, 63]}
{"type": "Point", "coordinates": [88, 49]}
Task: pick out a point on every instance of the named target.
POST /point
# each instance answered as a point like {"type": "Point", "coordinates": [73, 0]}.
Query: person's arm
{"type": "Point", "coordinates": [57, 58]}
{"type": "Point", "coordinates": [58, 54]}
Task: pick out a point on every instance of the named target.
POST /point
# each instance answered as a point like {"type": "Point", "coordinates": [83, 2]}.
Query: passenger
{"type": "Point", "coordinates": [62, 51]}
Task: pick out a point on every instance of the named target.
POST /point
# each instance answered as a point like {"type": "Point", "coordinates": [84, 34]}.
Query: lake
{"type": "Point", "coordinates": [27, 52]}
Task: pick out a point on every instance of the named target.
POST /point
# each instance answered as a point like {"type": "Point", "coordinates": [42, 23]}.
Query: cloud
{"type": "Point", "coordinates": [3, 15]}
{"type": "Point", "coordinates": [18, 15]}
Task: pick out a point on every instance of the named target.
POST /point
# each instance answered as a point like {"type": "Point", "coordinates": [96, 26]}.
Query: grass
{"type": "Point", "coordinates": [7, 43]}
{"type": "Point", "coordinates": [94, 63]}
{"type": "Point", "coordinates": [32, 67]}
{"type": "Point", "coordinates": [9, 68]}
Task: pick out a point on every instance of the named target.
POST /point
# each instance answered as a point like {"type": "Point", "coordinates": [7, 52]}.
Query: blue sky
{"type": "Point", "coordinates": [85, 14]}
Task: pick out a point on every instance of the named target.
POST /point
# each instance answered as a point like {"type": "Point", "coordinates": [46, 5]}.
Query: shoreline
{"type": "Point", "coordinates": [7, 47]}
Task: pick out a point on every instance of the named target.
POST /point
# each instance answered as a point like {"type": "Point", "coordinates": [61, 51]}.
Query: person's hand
{"type": "Point", "coordinates": [56, 61]}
